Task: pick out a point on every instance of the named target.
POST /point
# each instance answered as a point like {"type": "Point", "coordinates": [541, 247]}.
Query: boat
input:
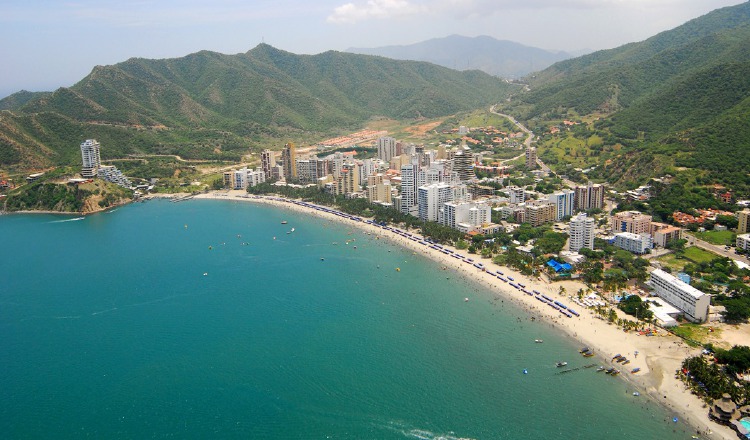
{"type": "Point", "coordinates": [635, 370]}
{"type": "Point", "coordinates": [611, 370]}
{"type": "Point", "coordinates": [466, 299]}
{"type": "Point", "coordinates": [617, 356]}
{"type": "Point", "coordinates": [627, 361]}
{"type": "Point", "coordinates": [283, 222]}
{"type": "Point", "coordinates": [561, 364]}
{"type": "Point", "coordinates": [601, 368]}
{"type": "Point", "coordinates": [615, 373]}
{"type": "Point", "coordinates": [636, 393]}
{"type": "Point", "coordinates": [538, 341]}
{"type": "Point", "coordinates": [584, 350]}
{"type": "Point", "coordinates": [588, 354]}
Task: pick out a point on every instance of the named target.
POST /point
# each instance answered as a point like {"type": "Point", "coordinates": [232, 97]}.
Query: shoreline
{"type": "Point", "coordinates": [658, 356]}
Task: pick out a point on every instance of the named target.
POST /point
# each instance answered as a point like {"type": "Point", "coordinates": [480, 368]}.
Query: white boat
{"type": "Point", "coordinates": [538, 341]}
{"type": "Point", "coordinates": [561, 364]}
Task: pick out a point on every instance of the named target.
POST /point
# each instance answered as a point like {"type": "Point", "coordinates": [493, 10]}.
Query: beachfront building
{"type": "Point", "coordinates": [347, 183]}
{"type": "Point", "coordinates": [743, 242]}
{"type": "Point", "coordinates": [468, 217]}
{"type": "Point", "coordinates": [685, 297]}
{"type": "Point", "coordinates": [267, 161]}
{"type": "Point", "coordinates": [590, 196]}
{"type": "Point", "coordinates": [531, 158]}
{"type": "Point", "coordinates": [540, 212]}
{"type": "Point", "coordinates": [244, 178]}
{"type": "Point", "coordinates": [378, 189]}
{"type": "Point", "coordinates": [581, 232]}
{"type": "Point", "coordinates": [743, 221]}
{"type": "Point", "coordinates": [635, 243]}
{"type": "Point", "coordinates": [111, 174]}
{"type": "Point", "coordinates": [663, 233]}
{"type": "Point", "coordinates": [91, 158]}
{"type": "Point", "coordinates": [289, 162]}
{"type": "Point", "coordinates": [409, 185]}
{"type": "Point", "coordinates": [516, 194]}
{"type": "Point", "coordinates": [311, 169]}
{"type": "Point", "coordinates": [631, 221]}
{"type": "Point", "coordinates": [431, 198]}
{"type": "Point", "coordinates": [564, 203]}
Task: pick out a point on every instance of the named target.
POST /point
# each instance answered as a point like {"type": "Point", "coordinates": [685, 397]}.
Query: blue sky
{"type": "Point", "coordinates": [48, 44]}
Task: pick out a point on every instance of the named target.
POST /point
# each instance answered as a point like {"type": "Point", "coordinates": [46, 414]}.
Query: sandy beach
{"type": "Point", "coordinates": [658, 357]}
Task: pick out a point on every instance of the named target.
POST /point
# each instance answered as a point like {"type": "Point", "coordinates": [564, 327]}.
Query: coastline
{"type": "Point", "coordinates": [658, 356]}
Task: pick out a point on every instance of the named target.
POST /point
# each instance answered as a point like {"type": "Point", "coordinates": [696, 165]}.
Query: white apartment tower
{"type": "Point", "coordinates": [681, 295]}
{"type": "Point", "coordinates": [564, 202]}
{"type": "Point", "coordinates": [431, 199]}
{"type": "Point", "coordinates": [581, 232]}
{"type": "Point", "coordinates": [91, 158]}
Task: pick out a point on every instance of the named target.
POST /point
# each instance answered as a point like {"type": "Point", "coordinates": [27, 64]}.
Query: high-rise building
{"type": "Point", "coordinates": [531, 158]}
{"type": "Point", "coordinates": [289, 162]}
{"type": "Point", "coordinates": [516, 194]}
{"type": "Point", "coordinates": [540, 212]}
{"type": "Point", "coordinates": [91, 158]}
{"type": "Point", "coordinates": [581, 232]}
{"type": "Point", "coordinates": [743, 224]}
{"type": "Point", "coordinates": [590, 196]}
{"type": "Point", "coordinates": [465, 216]}
{"type": "Point", "coordinates": [267, 161]}
{"type": "Point", "coordinates": [348, 180]}
{"type": "Point", "coordinates": [631, 221]}
{"type": "Point", "coordinates": [463, 163]}
{"type": "Point", "coordinates": [564, 203]}
{"type": "Point", "coordinates": [409, 185]}
{"type": "Point", "coordinates": [378, 189]}
{"type": "Point", "coordinates": [431, 198]}
{"type": "Point", "coordinates": [386, 148]}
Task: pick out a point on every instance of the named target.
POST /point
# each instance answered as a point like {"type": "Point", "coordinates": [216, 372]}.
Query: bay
{"type": "Point", "coordinates": [207, 319]}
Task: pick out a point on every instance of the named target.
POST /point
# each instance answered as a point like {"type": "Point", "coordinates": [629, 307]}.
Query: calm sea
{"type": "Point", "coordinates": [189, 320]}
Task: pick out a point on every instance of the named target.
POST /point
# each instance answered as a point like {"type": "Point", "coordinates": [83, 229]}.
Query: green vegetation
{"type": "Point", "coordinates": [713, 379]}
{"type": "Point", "coordinates": [698, 255]}
{"type": "Point", "coordinates": [671, 104]}
{"type": "Point", "coordinates": [694, 335]}
{"type": "Point", "coordinates": [717, 237]}
{"type": "Point", "coordinates": [634, 306]}
{"type": "Point", "coordinates": [216, 107]}
{"type": "Point", "coordinates": [47, 196]}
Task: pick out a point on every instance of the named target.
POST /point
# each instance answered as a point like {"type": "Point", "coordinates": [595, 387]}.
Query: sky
{"type": "Point", "coordinates": [46, 44]}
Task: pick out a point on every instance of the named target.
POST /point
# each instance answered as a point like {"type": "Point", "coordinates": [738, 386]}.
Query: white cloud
{"type": "Point", "coordinates": [378, 9]}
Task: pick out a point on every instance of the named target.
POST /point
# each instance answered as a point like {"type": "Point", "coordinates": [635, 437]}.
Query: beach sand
{"type": "Point", "coordinates": [658, 356]}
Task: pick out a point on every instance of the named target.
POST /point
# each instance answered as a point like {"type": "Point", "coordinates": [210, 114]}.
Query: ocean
{"type": "Point", "coordinates": [206, 319]}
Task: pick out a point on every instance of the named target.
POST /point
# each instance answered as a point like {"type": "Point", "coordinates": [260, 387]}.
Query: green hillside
{"type": "Point", "coordinates": [677, 99]}
{"type": "Point", "coordinates": [210, 105]}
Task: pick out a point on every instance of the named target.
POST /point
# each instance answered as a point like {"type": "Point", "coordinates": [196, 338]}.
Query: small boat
{"type": "Point", "coordinates": [283, 222]}
{"type": "Point", "coordinates": [466, 299]}
{"type": "Point", "coordinates": [617, 356]}
{"type": "Point", "coordinates": [601, 368]}
{"type": "Point", "coordinates": [561, 364]}
{"type": "Point", "coordinates": [627, 361]}
{"type": "Point", "coordinates": [205, 274]}
{"type": "Point", "coordinates": [588, 354]}
{"type": "Point", "coordinates": [611, 370]}
{"type": "Point", "coordinates": [636, 393]}
{"type": "Point", "coordinates": [615, 373]}
{"type": "Point", "coordinates": [584, 350]}
{"type": "Point", "coordinates": [322, 259]}
{"type": "Point", "coordinates": [538, 341]}
{"type": "Point", "coordinates": [635, 370]}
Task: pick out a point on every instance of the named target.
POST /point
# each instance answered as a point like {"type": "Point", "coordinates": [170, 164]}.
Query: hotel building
{"type": "Point", "coordinates": [431, 198]}
{"type": "Point", "coordinates": [564, 202]}
{"type": "Point", "coordinates": [631, 221]}
{"type": "Point", "coordinates": [685, 297]}
{"type": "Point", "coordinates": [589, 197]}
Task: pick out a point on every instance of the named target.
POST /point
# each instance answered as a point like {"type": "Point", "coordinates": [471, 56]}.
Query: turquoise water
{"type": "Point", "coordinates": [110, 329]}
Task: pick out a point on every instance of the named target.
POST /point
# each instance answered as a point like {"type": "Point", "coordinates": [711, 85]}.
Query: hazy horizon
{"type": "Point", "coordinates": [55, 44]}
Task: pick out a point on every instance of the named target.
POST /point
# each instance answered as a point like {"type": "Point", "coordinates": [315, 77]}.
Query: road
{"type": "Point", "coordinates": [717, 249]}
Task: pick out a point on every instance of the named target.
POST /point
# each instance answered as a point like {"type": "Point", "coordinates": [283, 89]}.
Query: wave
{"type": "Point", "coordinates": [423, 434]}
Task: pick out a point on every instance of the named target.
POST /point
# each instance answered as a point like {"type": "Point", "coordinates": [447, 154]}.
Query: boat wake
{"type": "Point", "coordinates": [68, 220]}
{"type": "Point", "coordinates": [423, 434]}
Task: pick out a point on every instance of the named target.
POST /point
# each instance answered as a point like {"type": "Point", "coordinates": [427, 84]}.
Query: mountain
{"type": "Point", "coordinates": [505, 59]}
{"type": "Point", "coordinates": [211, 105]}
{"type": "Point", "coordinates": [671, 98]}
{"type": "Point", "coordinates": [18, 99]}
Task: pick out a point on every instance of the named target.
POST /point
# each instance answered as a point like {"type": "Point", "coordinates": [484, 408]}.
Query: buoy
{"type": "Point", "coordinates": [674, 419]}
